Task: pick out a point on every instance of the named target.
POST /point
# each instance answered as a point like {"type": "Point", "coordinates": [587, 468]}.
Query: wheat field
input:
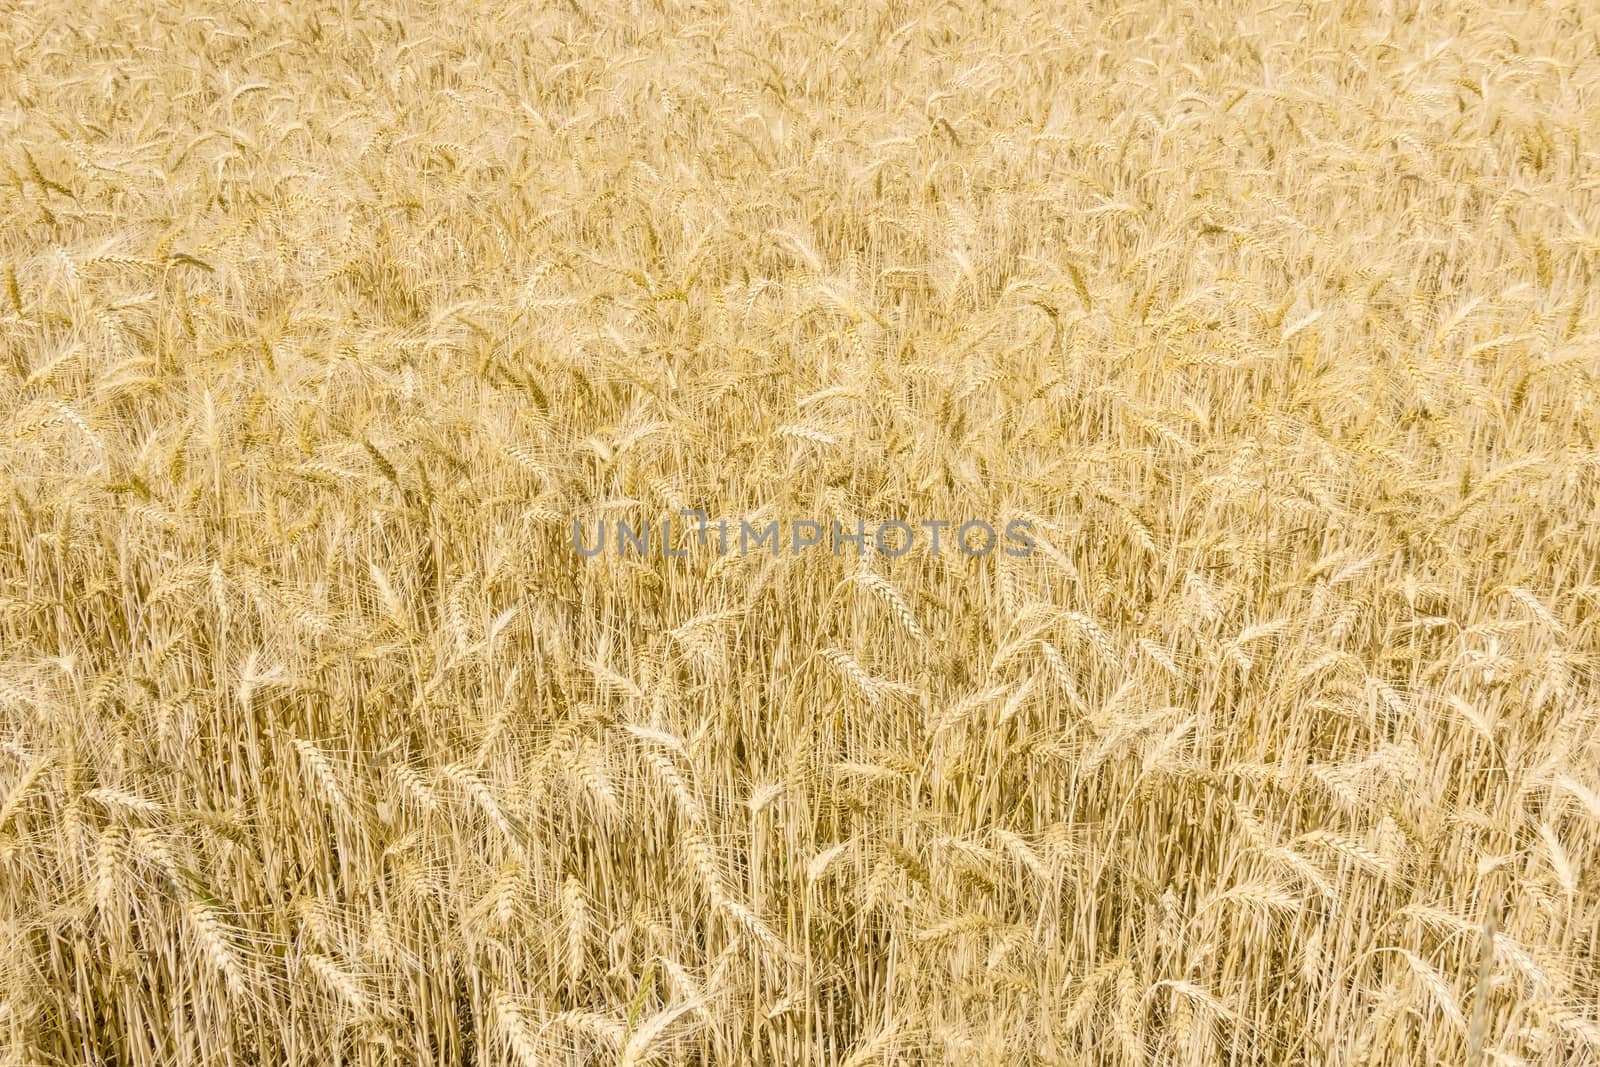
{"type": "Point", "coordinates": [327, 328]}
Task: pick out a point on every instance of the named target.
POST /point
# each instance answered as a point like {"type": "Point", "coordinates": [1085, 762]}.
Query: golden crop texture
{"type": "Point", "coordinates": [321, 324]}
